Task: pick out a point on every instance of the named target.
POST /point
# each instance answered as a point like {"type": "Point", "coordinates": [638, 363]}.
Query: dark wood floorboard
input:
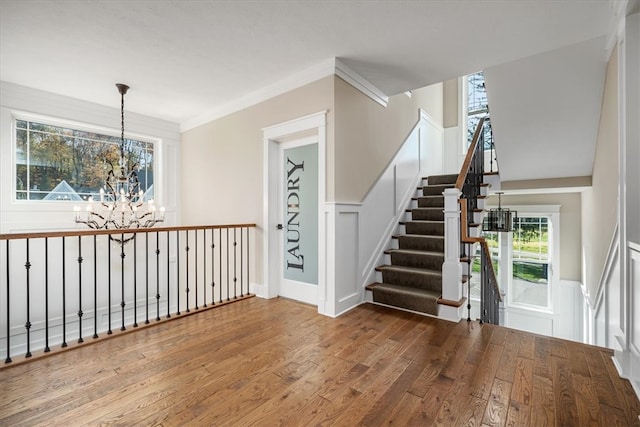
{"type": "Point", "coordinates": [277, 362]}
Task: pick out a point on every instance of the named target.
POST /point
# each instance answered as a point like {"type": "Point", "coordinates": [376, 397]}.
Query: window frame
{"type": "Point", "coordinates": [83, 127]}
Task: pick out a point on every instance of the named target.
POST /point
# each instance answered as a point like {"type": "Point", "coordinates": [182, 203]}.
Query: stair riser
{"type": "Point", "coordinates": [412, 280]}
{"type": "Point", "coordinates": [434, 190]}
{"type": "Point", "coordinates": [426, 229]}
{"type": "Point", "coordinates": [427, 214]}
{"type": "Point", "coordinates": [422, 305]}
{"type": "Point", "coordinates": [431, 202]}
{"type": "Point", "coordinates": [442, 179]}
{"type": "Point", "coordinates": [429, 262]}
{"type": "Point", "coordinates": [421, 244]}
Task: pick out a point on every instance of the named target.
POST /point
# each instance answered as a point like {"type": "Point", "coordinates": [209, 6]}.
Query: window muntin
{"type": "Point", "coordinates": [61, 163]}
{"type": "Point", "coordinates": [477, 107]}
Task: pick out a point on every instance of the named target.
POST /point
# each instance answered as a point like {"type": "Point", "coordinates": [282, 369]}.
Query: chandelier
{"type": "Point", "coordinates": [121, 204]}
{"type": "Point", "coordinates": [500, 219]}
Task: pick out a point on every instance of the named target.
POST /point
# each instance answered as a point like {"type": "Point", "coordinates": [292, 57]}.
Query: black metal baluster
{"type": "Point", "coordinates": [228, 299]}
{"type": "Point", "coordinates": [64, 294]}
{"type": "Point", "coordinates": [213, 268]}
{"type": "Point", "coordinates": [241, 259]}
{"type": "Point", "coordinates": [235, 275]}
{"type": "Point", "coordinates": [469, 287]}
{"type": "Point", "coordinates": [80, 313]}
{"type": "Point", "coordinates": [168, 279]}
{"type": "Point", "coordinates": [27, 266]}
{"type": "Point", "coordinates": [178, 270]}
{"type": "Point", "coordinates": [95, 286]}
{"type": "Point", "coordinates": [195, 269]}
{"type": "Point", "coordinates": [122, 303]}
{"type": "Point", "coordinates": [135, 280]}
{"type": "Point", "coordinates": [158, 273]}
{"type": "Point", "coordinates": [187, 268]}
{"type": "Point", "coordinates": [146, 266]}
{"type": "Point", "coordinates": [248, 258]}
{"type": "Point", "coordinates": [220, 265]}
{"type": "Point", "coordinates": [8, 358]}
{"type": "Point", "coordinates": [109, 331]}
{"type": "Point", "coordinates": [204, 267]}
{"type": "Point", "coordinates": [46, 295]}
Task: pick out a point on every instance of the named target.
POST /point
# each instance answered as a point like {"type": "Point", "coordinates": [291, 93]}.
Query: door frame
{"type": "Point", "coordinates": [273, 136]}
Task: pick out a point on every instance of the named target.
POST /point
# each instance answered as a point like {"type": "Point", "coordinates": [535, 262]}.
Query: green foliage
{"type": "Point", "coordinates": [47, 155]}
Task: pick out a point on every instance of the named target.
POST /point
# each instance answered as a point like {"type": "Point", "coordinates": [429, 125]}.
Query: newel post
{"type": "Point", "coordinates": [451, 268]}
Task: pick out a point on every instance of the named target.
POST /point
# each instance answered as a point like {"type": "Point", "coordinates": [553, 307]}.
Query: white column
{"type": "Point", "coordinates": [451, 268]}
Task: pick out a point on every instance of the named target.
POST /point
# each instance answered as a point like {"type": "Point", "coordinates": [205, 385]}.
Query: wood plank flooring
{"type": "Point", "coordinates": [277, 362]}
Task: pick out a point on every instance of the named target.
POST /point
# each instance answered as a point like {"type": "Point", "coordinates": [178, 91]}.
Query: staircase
{"type": "Point", "coordinates": [413, 279]}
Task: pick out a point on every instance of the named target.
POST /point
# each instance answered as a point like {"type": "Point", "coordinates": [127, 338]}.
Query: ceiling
{"type": "Point", "coordinates": [186, 60]}
{"type": "Point", "coordinates": [191, 61]}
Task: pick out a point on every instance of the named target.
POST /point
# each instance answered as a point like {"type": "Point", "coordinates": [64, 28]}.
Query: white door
{"type": "Point", "coordinates": [298, 219]}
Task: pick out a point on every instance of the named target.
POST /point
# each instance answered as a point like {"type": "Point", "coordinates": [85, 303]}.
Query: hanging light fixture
{"type": "Point", "coordinates": [121, 204]}
{"type": "Point", "coordinates": [499, 219]}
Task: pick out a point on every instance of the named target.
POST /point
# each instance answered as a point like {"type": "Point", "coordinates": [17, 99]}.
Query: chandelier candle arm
{"type": "Point", "coordinates": [121, 203]}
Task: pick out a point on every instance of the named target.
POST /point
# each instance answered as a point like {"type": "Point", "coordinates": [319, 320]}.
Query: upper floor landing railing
{"type": "Point", "coordinates": [58, 287]}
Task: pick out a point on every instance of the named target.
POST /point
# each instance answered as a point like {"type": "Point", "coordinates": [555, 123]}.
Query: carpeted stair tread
{"type": "Point", "coordinates": [421, 300]}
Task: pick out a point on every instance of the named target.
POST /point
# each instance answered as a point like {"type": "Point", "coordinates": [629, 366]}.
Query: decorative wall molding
{"type": "Point", "coordinates": [329, 67]}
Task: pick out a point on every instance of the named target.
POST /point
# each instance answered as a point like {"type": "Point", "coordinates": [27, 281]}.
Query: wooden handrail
{"type": "Point", "coordinates": [72, 233]}
{"type": "Point", "coordinates": [462, 176]}
{"type": "Point", "coordinates": [493, 280]}
{"type": "Point", "coordinates": [464, 230]}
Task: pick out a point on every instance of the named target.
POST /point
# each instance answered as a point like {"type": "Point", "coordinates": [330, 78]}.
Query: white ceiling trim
{"type": "Point", "coordinates": [323, 69]}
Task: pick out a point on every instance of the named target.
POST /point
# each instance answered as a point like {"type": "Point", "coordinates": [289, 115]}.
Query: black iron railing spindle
{"type": "Point", "coordinates": [95, 286]}
{"type": "Point", "coordinates": [80, 313]}
{"type": "Point", "coordinates": [235, 275]}
{"type": "Point", "coordinates": [213, 268]}
{"type": "Point", "coordinates": [168, 278]}
{"type": "Point", "coordinates": [220, 265]}
{"type": "Point", "coordinates": [146, 284]}
{"type": "Point", "coordinates": [27, 266]}
{"type": "Point", "coordinates": [135, 280]}
{"type": "Point", "coordinates": [241, 258]}
{"type": "Point", "coordinates": [8, 358]}
{"type": "Point", "coordinates": [64, 294]}
{"type": "Point", "coordinates": [122, 303]}
{"type": "Point", "coordinates": [178, 270]}
{"type": "Point", "coordinates": [109, 331]}
{"type": "Point", "coordinates": [204, 267]}
{"type": "Point", "coordinates": [47, 349]}
{"type": "Point", "coordinates": [228, 299]}
{"type": "Point", "coordinates": [186, 249]}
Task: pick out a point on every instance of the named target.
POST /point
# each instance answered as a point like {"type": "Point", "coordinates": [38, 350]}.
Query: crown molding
{"type": "Point", "coordinates": [360, 83]}
{"type": "Point", "coordinates": [332, 66]}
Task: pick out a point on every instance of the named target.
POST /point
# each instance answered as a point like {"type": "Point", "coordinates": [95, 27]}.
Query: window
{"type": "Point", "coordinates": [60, 163]}
{"type": "Point", "coordinates": [477, 107]}
{"type": "Point", "coordinates": [530, 281]}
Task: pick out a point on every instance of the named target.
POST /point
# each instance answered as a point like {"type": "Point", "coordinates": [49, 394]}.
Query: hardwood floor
{"type": "Point", "coordinates": [277, 362]}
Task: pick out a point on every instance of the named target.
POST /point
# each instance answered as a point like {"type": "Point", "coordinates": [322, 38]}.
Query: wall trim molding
{"type": "Point", "coordinates": [328, 67]}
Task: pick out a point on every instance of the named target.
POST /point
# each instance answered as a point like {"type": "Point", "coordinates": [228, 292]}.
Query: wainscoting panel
{"type": "Point", "coordinates": [634, 345]}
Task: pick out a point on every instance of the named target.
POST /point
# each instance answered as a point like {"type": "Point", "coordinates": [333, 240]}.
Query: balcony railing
{"type": "Point", "coordinates": [62, 288]}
